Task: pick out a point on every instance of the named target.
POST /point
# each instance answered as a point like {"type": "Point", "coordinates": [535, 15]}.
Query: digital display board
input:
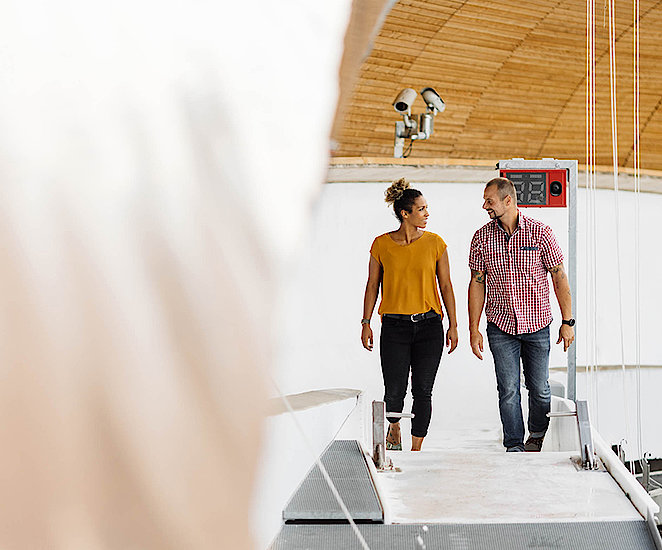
{"type": "Point", "coordinates": [531, 187]}
{"type": "Point", "coordinates": [538, 188]}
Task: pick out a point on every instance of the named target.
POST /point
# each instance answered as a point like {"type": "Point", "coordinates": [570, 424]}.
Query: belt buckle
{"type": "Point", "coordinates": [413, 317]}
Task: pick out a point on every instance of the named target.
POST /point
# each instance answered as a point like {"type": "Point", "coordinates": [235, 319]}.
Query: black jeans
{"type": "Point", "coordinates": [404, 345]}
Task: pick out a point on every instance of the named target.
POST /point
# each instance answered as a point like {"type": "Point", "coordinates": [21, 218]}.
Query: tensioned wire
{"type": "Point", "coordinates": [591, 326]}
{"type": "Point", "coordinates": [596, 340]}
{"type": "Point", "coordinates": [614, 156]}
{"type": "Point", "coordinates": [637, 194]}
{"type": "Point", "coordinates": [591, 233]}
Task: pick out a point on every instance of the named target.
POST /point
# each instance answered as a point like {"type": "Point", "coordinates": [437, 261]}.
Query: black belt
{"type": "Point", "coordinates": [415, 318]}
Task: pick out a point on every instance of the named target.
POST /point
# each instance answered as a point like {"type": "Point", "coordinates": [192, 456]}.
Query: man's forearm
{"type": "Point", "coordinates": [476, 298]}
{"type": "Point", "coordinates": [562, 290]}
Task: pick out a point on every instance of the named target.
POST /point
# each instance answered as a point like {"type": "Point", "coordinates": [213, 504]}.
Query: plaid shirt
{"type": "Point", "coordinates": [516, 273]}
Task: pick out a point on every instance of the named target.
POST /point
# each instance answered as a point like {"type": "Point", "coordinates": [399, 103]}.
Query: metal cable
{"type": "Point", "coordinates": [591, 221]}
{"type": "Point", "coordinates": [614, 156]}
{"type": "Point", "coordinates": [637, 189]}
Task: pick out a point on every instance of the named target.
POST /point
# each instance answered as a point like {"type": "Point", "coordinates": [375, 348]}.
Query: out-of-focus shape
{"type": "Point", "coordinates": [143, 232]}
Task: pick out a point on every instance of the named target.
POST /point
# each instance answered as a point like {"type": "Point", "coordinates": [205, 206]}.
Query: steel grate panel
{"type": "Point", "coordinates": [621, 535]}
{"type": "Point", "coordinates": [345, 463]}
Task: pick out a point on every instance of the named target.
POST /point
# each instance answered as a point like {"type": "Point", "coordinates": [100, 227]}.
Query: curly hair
{"type": "Point", "coordinates": [401, 196]}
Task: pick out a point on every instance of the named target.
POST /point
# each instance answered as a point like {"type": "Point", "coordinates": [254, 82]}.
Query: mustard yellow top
{"type": "Point", "coordinates": [409, 282]}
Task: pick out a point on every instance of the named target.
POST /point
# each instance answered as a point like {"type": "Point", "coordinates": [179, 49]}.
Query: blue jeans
{"type": "Point", "coordinates": [533, 349]}
{"type": "Point", "coordinates": [406, 345]}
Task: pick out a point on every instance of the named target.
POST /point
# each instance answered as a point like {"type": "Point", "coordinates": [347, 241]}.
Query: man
{"type": "Point", "coordinates": [509, 260]}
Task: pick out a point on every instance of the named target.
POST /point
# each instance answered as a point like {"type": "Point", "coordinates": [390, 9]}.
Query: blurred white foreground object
{"type": "Point", "coordinates": [143, 194]}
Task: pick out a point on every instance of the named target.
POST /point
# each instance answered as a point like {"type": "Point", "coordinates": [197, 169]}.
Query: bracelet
{"type": "Point", "coordinates": [365, 321]}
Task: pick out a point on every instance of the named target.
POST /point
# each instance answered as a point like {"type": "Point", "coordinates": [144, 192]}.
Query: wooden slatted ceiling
{"type": "Point", "coordinates": [513, 78]}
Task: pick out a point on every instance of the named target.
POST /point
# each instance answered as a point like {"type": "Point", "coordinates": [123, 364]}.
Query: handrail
{"type": "Point", "coordinates": [310, 399]}
{"type": "Point", "coordinates": [606, 367]}
{"type": "Point", "coordinates": [641, 500]}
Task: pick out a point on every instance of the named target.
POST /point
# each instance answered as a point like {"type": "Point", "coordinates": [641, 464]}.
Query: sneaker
{"type": "Point", "coordinates": [533, 444]}
{"type": "Point", "coordinates": [515, 449]}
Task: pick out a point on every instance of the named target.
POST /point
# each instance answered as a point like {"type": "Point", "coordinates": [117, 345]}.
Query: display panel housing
{"type": "Point", "coordinates": [539, 188]}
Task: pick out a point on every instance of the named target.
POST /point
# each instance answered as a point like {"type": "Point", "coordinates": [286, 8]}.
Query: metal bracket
{"type": "Point", "coordinates": [399, 143]}
{"type": "Point", "coordinates": [621, 450]}
{"type": "Point", "coordinates": [410, 128]}
{"type": "Point", "coordinates": [379, 415]}
{"type": "Point", "coordinates": [585, 436]}
{"type": "Point", "coordinates": [645, 472]}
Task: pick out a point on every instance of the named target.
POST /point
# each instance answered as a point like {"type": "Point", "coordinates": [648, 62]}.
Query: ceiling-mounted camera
{"type": "Point", "coordinates": [409, 127]}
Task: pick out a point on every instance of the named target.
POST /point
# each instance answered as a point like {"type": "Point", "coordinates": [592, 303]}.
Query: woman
{"type": "Point", "coordinates": [408, 263]}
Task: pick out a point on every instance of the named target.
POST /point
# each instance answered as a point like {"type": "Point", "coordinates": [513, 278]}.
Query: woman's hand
{"type": "Point", "coordinates": [366, 337]}
{"type": "Point", "coordinates": [451, 338]}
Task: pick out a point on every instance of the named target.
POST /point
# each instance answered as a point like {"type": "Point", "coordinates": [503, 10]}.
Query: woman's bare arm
{"type": "Point", "coordinates": [370, 299]}
{"type": "Point", "coordinates": [448, 297]}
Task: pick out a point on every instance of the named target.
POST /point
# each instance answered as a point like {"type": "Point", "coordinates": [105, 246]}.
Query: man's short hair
{"type": "Point", "coordinates": [504, 187]}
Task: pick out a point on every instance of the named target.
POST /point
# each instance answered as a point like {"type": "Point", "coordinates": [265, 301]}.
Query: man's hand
{"type": "Point", "coordinates": [476, 339]}
{"type": "Point", "coordinates": [562, 290]}
{"type": "Point", "coordinates": [476, 303]}
{"type": "Point", "coordinates": [567, 334]}
{"type": "Point", "coordinates": [366, 337]}
{"type": "Point", "coordinates": [451, 338]}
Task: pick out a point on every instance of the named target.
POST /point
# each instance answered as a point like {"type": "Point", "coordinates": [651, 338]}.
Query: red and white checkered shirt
{"type": "Point", "coordinates": [516, 273]}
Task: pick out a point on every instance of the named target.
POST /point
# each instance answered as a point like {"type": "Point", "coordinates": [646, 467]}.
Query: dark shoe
{"type": "Point", "coordinates": [533, 444]}
{"type": "Point", "coordinates": [515, 449]}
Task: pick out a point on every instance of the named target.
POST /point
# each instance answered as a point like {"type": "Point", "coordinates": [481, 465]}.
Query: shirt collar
{"type": "Point", "coordinates": [521, 223]}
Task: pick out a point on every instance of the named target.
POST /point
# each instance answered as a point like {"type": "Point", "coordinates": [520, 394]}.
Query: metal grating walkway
{"type": "Point", "coordinates": [313, 500]}
{"type": "Point", "coordinates": [621, 535]}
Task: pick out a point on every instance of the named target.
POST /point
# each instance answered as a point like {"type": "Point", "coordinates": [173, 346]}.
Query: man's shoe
{"type": "Point", "coordinates": [533, 444]}
{"type": "Point", "coordinates": [515, 449]}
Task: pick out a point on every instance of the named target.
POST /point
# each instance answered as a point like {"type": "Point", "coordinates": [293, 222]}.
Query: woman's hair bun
{"type": "Point", "coordinates": [395, 191]}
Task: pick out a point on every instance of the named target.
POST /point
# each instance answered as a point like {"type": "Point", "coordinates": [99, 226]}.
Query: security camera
{"type": "Point", "coordinates": [403, 102]}
{"type": "Point", "coordinates": [412, 127]}
{"type": "Point", "coordinates": [432, 99]}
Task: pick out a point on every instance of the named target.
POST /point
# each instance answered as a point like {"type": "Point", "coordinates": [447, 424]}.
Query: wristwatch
{"type": "Point", "coordinates": [365, 321]}
{"type": "Point", "coordinates": [569, 322]}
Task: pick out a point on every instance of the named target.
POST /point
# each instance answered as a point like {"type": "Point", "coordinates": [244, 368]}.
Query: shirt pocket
{"type": "Point", "coordinates": [528, 257]}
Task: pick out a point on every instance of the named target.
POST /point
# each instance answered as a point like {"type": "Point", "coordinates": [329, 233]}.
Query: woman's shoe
{"type": "Point", "coordinates": [392, 445]}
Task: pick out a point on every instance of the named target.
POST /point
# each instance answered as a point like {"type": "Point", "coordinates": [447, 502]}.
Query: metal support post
{"type": "Point", "coordinates": [399, 143]}
{"type": "Point", "coordinates": [585, 437]}
{"type": "Point", "coordinates": [621, 450]}
{"type": "Point", "coordinates": [570, 167]}
{"type": "Point", "coordinates": [571, 392]}
{"type": "Point", "coordinates": [645, 473]}
{"type": "Point", "coordinates": [379, 415]}
{"type": "Point", "coordinates": [378, 434]}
